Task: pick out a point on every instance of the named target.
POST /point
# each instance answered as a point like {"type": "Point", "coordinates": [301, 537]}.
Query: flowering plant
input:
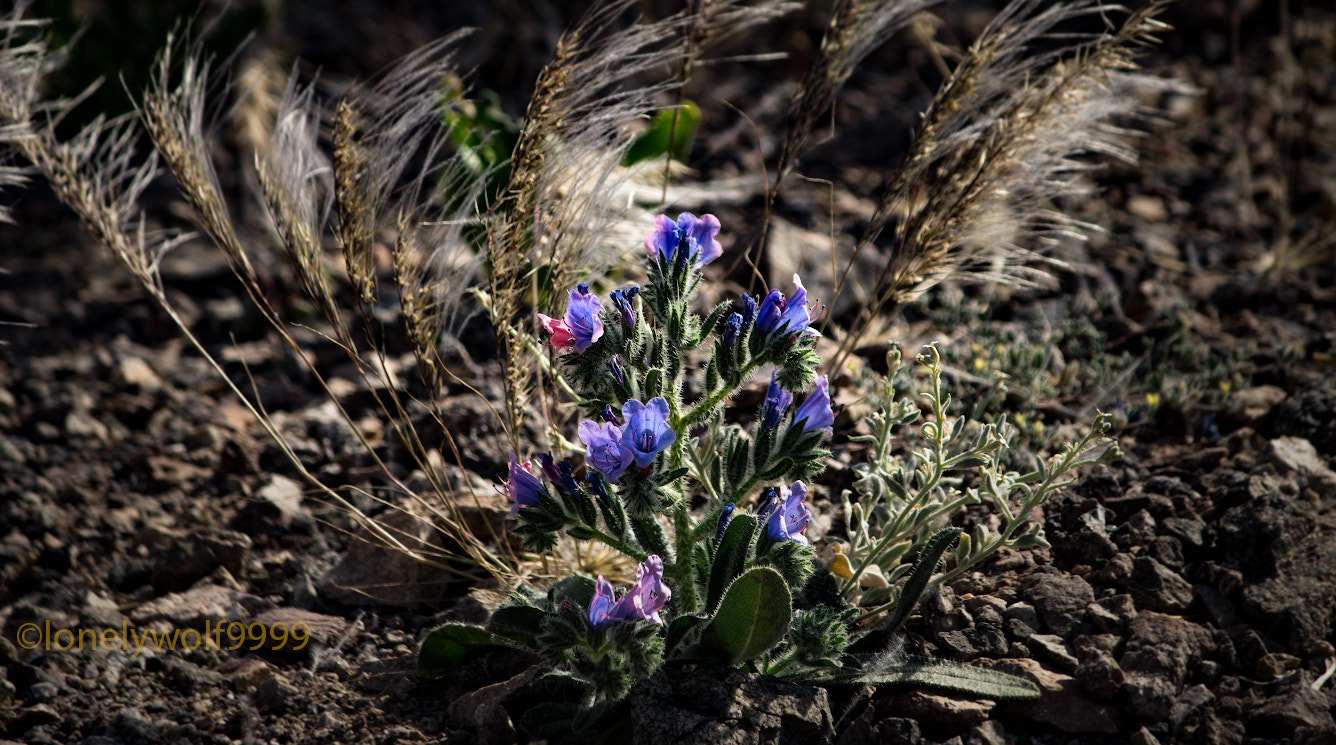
{"type": "Point", "coordinates": [714, 512]}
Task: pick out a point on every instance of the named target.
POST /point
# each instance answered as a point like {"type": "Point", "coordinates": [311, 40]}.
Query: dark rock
{"type": "Point", "coordinates": [189, 558]}
{"type": "Point", "coordinates": [274, 506]}
{"type": "Point", "coordinates": [1083, 539]}
{"type": "Point", "coordinates": [898, 730]}
{"type": "Point", "coordinates": [1191, 534]}
{"type": "Point", "coordinates": [1160, 651]}
{"type": "Point", "coordinates": [1295, 454]}
{"type": "Point", "coordinates": [1099, 674]}
{"type": "Point", "coordinates": [1061, 703]}
{"type": "Point", "coordinates": [1299, 602]}
{"type": "Point", "coordinates": [1310, 414]}
{"type": "Point", "coordinates": [1167, 550]}
{"type": "Point", "coordinates": [1188, 705]}
{"type": "Point", "coordinates": [32, 717]}
{"type": "Point", "coordinates": [134, 728]}
{"type": "Point", "coordinates": [990, 732]}
{"type": "Point", "coordinates": [1138, 530]}
{"type": "Point", "coordinates": [1155, 587]}
{"type": "Point", "coordinates": [1288, 704]}
{"type": "Point", "coordinates": [275, 695]}
{"type": "Point", "coordinates": [942, 711]}
{"type": "Point", "coordinates": [1060, 599]}
{"type": "Point", "coordinates": [733, 707]}
{"type": "Point", "coordinates": [1052, 649]}
{"type": "Point", "coordinates": [977, 641]}
{"type": "Point", "coordinates": [1266, 528]}
{"type": "Point", "coordinates": [190, 678]}
{"type": "Point", "coordinates": [1111, 615]}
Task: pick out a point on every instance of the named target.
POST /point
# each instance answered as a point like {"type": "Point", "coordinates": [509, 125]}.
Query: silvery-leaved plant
{"type": "Point", "coordinates": [735, 582]}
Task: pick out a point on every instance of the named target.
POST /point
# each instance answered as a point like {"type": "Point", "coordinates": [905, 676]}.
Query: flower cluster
{"type": "Point", "coordinates": [727, 582]}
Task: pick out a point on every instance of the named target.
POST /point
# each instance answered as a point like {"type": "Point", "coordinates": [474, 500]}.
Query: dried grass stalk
{"type": "Point", "coordinates": [1005, 140]}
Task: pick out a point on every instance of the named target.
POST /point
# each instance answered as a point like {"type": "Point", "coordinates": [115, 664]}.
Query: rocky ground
{"type": "Point", "coordinates": [1189, 594]}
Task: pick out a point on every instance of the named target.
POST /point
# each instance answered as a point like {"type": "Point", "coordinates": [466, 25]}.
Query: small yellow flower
{"type": "Point", "coordinates": [1153, 400]}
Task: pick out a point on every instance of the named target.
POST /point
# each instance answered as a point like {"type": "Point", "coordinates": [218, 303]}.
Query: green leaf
{"type": "Point", "coordinates": [448, 647]}
{"type": "Point", "coordinates": [876, 640]}
{"type": "Point", "coordinates": [666, 136]}
{"type": "Point", "coordinates": [752, 618]}
{"type": "Point", "coordinates": [678, 630]}
{"type": "Point", "coordinates": [517, 623]}
{"type": "Point", "coordinates": [730, 557]}
{"type": "Point", "coordinates": [951, 677]}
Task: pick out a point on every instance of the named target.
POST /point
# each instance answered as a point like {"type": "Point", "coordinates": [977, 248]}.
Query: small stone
{"type": "Point", "coordinates": [1060, 704]}
{"type": "Point", "coordinates": [200, 604]}
{"type": "Point", "coordinates": [1275, 664]}
{"type": "Point", "coordinates": [899, 730]}
{"type": "Point", "coordinates": [1112, 614]}
{"type": "Point", "coordinates": [274, 505]}
{"type": "Point", "coordinates": [1167, 550]}
{"type": "Point", "coordinates": [1060, 599]}
{"type": "Point", "coordinates": [1189, 704]}
{"type": "Point", "coordinates": [1144, 736]}
{"type": "Point", "coordinates": [1190, 533]}
{"type": "Point", "coordinates": [375, 573]}
{"type": "Point", "coordinates": [31, 717]}
{"type": "Point", "coordinates": [275, 695]}
{"type": "Point", "coordinates": [134, 728]}
{"type": "Point", "coordinates": [246, 673]}
{"type": "Point", "coordinates": [1051, 648]}
{"type": "Point", "coordinates": [1290, 703]}
{"type": "Point", "coordinates": [943, 711]}
{"type": "Point", "coordinates": [186, 559]}
{"type": "Point", "coordinates": [1155, 587]}
{"type": "Point", "coordinates": [135, 371]}
{"type": "Point", "coordinates": [1159, 652]}
{"type": "Point", "coordinates": [1250, 406]}
{"type": "Point", "coordinates": [1298, 455]}
{"type": "Point", "coordinates": [190, 678]}
{"type": "Point", "coordinates": [990, 732]}
{"type": "Point", "coordinates": [1100, 674]}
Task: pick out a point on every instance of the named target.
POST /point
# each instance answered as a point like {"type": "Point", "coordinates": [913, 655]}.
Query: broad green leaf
{"type": "Point", "coordinates": [518, 623]}
{"type": "Point", "coordinates": [752, 618]}
{"type": "Point", "coordinates": [666, 135]}
{"type": "Point", "coordinates": [730, 557]}
{"type": "Point", "coordinates": [451, 645]}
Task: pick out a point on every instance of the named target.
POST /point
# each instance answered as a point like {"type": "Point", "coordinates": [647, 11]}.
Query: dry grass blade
{"type": "Point", "coordinates": [1004, 140]}
{"type": "Point", "coordinates": [856, 28]}
{"type": "Point", "coordinates": [296, 182]}
{"type": "Point", "coordinates": [553, 214]}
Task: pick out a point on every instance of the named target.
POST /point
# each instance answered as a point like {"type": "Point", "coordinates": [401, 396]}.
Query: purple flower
{"type": "Point", "coordinates": [610, 415]}
{"type": "Point", "coordinates": [732, 327]}
{"type": "Point", "coordinates": [787, 515]}
{"type": "Point", "coordinates": [522, 486]}
{"type": "Point", "coordinates": [616, 367]}
{"type": "Point", "coordinates": [601, 603]}
{"type": "Point", "coordinates": [725, 518]}
{"type": "Point", "coordinates": [749, 310]}
{"type": "Point", "coordinates": [697, 233]}
{"type": "Point", "coordinates": [642, 602]}
{"type": "Point", "coordinates": [622, 299]}
{"type": "Point", "coordinates": [815, 411]}
{"type": "Point", "coordinates": [777, 402]}
{"type": "Point", "coordinates": [582, 324]}
{"type": "Point", "coordinates": [646, 433]}
{"type": "Point", "coordinates": [791, 315]}
{"type": "Point", "coordinates": [604, 449]}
